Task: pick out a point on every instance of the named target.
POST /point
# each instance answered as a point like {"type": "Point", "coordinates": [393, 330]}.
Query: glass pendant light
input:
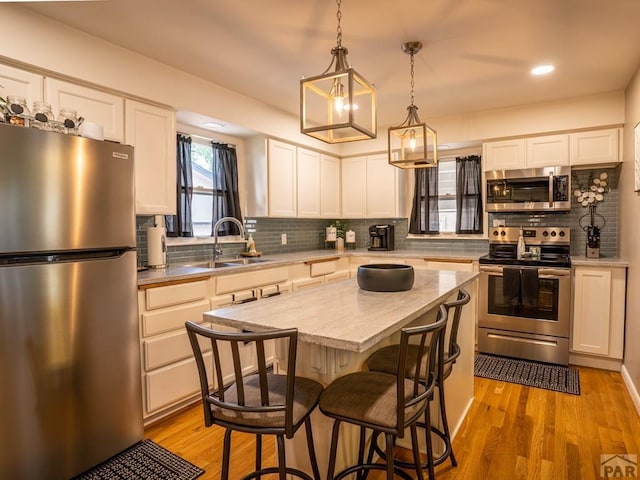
{"type": "Point", "coordinates": [340, 104]}
{"type": "Point", "coordinates": [412, 144]}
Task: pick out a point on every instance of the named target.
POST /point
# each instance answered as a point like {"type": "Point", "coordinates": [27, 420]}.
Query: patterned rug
{"type": "Point", "coordinates": [143, 461]}
{"type": "Point", "coordinates": [525, 372]}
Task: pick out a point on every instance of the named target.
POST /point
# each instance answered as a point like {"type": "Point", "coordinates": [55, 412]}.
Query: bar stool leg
{"type": "Point", "coordinates": [312, 450]}
{"type": "Point", "coordinates": [416, 451]}
{"type": "Point", "coordinates": [334, 447]}
{"type": "Point", "coordinates": [226, 449]}
{"type": "Point", "coordinates": [445, 424]}
{"type": "Point", "coordinates": [258, 453]}
{"type": "Point", "coordinates": [429, 443]}
{"type": "Point", "coordinates": [282, 462]}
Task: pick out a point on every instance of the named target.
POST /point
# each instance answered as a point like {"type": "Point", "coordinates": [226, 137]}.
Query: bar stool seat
{"type": "Point", "coordinates": [386, 360]}
{"type": "Point", "coordinates": [262, 403]}
{"type": "Point", "coordinates": [385, 403]}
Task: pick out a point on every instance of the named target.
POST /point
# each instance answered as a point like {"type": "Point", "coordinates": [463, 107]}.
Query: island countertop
{"type": "Point", "coordinates": [341, 315]}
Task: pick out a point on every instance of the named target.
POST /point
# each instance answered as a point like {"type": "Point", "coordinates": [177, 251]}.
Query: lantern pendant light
{"type": "Point", "coordinates": [412, 144]}
{"type": "Point", "coordinates": [340, 104]}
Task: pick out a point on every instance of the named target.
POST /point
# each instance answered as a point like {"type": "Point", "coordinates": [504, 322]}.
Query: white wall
{"type": "Point", "coordinates": [629, 234]}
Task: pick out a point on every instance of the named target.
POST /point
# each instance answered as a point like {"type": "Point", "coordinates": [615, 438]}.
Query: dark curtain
{"type": "Point", "coordinates": [424, 211]}
{"type": "Point", "coordinates": [468, 194]}
{"type": "Point", "coordinates": [180, 225]}
{"type": "Point", "coordinates": [226, 200]}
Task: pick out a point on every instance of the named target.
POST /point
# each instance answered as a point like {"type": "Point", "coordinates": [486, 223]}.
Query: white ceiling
{"type": "Point", "coordinates": [477, 53]}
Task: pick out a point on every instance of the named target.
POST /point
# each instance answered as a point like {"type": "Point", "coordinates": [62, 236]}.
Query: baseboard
{"type": "Point", "coordinates": [631, 388]}
{"type": "Point", "coordinates": [593, 361]}
{"type": "Point", "coordinates": [458, 425]}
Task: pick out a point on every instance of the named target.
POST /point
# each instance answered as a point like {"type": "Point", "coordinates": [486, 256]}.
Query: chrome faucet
{"type": "Point", "coordinates": [216, 250]}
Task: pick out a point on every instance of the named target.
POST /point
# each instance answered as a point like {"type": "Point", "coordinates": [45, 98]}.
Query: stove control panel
{"type": "Point", "coordinates": [532, 235]}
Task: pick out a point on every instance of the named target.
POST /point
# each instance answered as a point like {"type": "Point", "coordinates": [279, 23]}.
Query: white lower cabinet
{"type": "Point", "coordinates": [169, 374]}
{"type": "Point", "coordinates": [598, 311]}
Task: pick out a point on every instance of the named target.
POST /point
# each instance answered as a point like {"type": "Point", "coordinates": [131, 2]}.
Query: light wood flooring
{"type": "Point", "coordinates": [511, 432]}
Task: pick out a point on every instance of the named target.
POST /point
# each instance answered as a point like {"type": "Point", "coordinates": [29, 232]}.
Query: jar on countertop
{"type": "Point", "coordinates": [18, 112]}
{"type": "Point", "coordinates": [42, 116]}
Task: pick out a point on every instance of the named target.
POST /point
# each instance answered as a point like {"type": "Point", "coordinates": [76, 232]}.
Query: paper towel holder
{"type": "Point", "coordinates": [157, 244]}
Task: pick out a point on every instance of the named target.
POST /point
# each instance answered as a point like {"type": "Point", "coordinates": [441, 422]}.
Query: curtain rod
{"type": "Point", "coordinates": [206, 138]}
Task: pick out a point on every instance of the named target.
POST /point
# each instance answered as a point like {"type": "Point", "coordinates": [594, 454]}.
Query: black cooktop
{"type": "Point", "coordinates": [562, 261]}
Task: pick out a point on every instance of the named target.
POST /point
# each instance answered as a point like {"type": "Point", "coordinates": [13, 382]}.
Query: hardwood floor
{"type": "Point", "coordinates": [511, 432]}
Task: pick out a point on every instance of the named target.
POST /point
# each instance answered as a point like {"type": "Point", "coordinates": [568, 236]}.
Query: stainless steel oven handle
{"type": "Point", "coordinates": [491, 269]}
{"type": "Point", "coordinates": [553, 272]}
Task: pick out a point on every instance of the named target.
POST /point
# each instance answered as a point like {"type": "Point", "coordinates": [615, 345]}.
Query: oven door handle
{"type": "Point", "coordinates": [553, 272]}
{"type": "Point", "coordinates": [491, 269]}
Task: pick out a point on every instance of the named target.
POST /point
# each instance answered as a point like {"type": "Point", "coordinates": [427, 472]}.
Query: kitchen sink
{"type": "Point", "coordinates": [231, 262]}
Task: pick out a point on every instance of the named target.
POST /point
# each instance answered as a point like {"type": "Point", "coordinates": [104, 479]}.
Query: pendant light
{"type": "Point", "coordinates": [340, 104]}
{"type": "Point", "coordinates": [412, 144]}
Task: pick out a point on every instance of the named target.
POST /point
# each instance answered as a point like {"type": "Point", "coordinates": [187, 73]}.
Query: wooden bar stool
{"type": "Point", "coordinates": [385, 360]}
{"type": "Point", "coordinates": [262, 403]}
{"type": "Point", "coordinates": [386, 403]}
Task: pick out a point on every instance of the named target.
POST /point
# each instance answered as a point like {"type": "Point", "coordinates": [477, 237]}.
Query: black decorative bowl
{"type": "Point", "coordinates": [385, 277]}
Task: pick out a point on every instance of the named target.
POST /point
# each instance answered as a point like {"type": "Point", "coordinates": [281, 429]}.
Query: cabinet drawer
{"type": "Point", "coordinates": [172, 384]}
{"type": "Point", "coordinates": [166, 349]}
{"type": "Point", "coordinates": [159, 297]}
{"type": "Point", "coordinates": [322, 268]}
{"type": "Point", "coordinates": [242, 281]}
{"type": "Point", "coordinates": [172, 319]}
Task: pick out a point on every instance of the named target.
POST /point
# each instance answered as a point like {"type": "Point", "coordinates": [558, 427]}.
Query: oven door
{"type": "Point", "coordinates": [551, 316]}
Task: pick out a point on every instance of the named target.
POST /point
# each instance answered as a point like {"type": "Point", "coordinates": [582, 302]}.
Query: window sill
{"type": "Point", "coordinates": [447, 236]}
{"type": "Point", "coordinates": [183, 241]}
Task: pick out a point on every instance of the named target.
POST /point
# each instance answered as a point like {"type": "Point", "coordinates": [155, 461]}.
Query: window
{"type": "Point", "coordinates": [202, 174]}
{"type": "Point", "coordinates": [447, 199]}
{"type": "Point", "coordinates": [447, 195]}
{"type": "Point", "coordinates": [207, 188]}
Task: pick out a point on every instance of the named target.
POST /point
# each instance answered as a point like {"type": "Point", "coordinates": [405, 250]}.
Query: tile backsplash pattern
{"type": "Point", "coordinates": [309, 234]}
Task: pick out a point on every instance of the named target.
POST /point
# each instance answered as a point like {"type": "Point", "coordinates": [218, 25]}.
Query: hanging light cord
{"type": "Point", "coordinates": [339, 29]}
{"type": "Point", "coordinates": [412, 82]}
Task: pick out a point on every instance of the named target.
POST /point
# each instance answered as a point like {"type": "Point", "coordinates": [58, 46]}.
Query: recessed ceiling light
{"type": "Point", "coordinates": [542, 69]}
{"type": "Point", "coordinates": [212, 125]}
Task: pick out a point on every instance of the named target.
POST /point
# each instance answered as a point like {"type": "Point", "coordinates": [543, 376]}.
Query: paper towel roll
{"type": "Point", "coordinates": [157, 247]}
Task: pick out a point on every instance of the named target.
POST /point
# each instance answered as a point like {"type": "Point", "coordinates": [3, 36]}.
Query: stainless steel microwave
{"type": "Point", "coordinates": [529, 190]}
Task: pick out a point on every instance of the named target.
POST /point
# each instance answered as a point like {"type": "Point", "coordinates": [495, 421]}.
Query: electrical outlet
{"type": "Point", "coordinates": [283, 238]}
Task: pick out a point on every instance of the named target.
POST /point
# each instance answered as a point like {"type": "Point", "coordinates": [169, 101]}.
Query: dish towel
{"type": "Point", "coordinates": [529, 287]}
{"type": "Point", "coordinates": [511, 285]}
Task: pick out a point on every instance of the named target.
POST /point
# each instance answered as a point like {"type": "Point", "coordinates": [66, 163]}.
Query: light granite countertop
{"type": "Point", "coordinates": [182, 272]}
{"type": "Point", "coordinates": [598, 262]}
{"type": "Point", "coordinates": [340, 315]}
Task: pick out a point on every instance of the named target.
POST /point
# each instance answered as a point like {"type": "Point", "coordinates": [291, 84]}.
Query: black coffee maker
{"type": "Point", "coordinates": [381, 237]}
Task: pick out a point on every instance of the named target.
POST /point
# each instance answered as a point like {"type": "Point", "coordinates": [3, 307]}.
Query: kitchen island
{"type": "Point", "coordinates": [339, 326]}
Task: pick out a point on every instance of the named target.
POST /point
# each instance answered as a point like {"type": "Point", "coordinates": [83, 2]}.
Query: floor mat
{"type": "Point", "coordinates": [525, 372]}
{"type": "Point", "coordinates": [144, 460]}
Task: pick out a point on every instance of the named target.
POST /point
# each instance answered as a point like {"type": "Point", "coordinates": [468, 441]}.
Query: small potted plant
{"type": "Point", "coordinates": [341, 233]}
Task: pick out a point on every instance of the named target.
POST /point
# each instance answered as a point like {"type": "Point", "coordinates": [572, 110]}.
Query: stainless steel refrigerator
{"type": "Point", "coordinates": [70, 393]}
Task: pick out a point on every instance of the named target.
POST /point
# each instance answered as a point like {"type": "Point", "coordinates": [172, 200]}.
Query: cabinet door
{"type": "Point", "coordinates": [20, 83]}
{"type": "Point", "coordinates": [504, 155]}
{"type": "Point", "coordinates": [282, 179]}
{"type": "Point", "coordinates": [308, 183]}
{"type": "Point", "coordinates": [589, 148]}
{"type": "Point", "coordinates": [103, 108]}
{"type": "Point", "coordinates": [152, 131]}
{"type": "Point", "coordinates": [591, 310]}
{"type": "Point", "coordinates": [329, 187]}
{"type": "Point", "coordinates": [354, 187]}
{"type": "Point", "coordinates": [547, 151]}
{"type": "Point", "coordinates": [382, 194]}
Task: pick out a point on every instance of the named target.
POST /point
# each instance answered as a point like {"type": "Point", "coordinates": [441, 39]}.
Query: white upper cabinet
{"type": "Point", "coordinates": [282, 178]}
{"type": "Point", "coordinates": [95, 106]}
{"type": "Point", "coordinates": [596, 147]}
{"type": "Point", "coordinates": [329, 186]}
{"type": "Point", "coordinates": [504, 154]}
{"type": "Point", "coordinates": [21, 83]}
{"type": "Point", "coordinates": [354, 187]}
{"type": "Point", "coordinates": [371, 188]}
{"type": "Point", "coordinates": [308, 183]}
{"type": "Point", "coordinates": [152, 131]}
{"type": "Point", "coordinates": [547, 151]}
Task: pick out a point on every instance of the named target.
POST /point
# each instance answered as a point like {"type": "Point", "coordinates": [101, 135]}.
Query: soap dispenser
{"type": "Point", "coordinates": [522, 247]}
